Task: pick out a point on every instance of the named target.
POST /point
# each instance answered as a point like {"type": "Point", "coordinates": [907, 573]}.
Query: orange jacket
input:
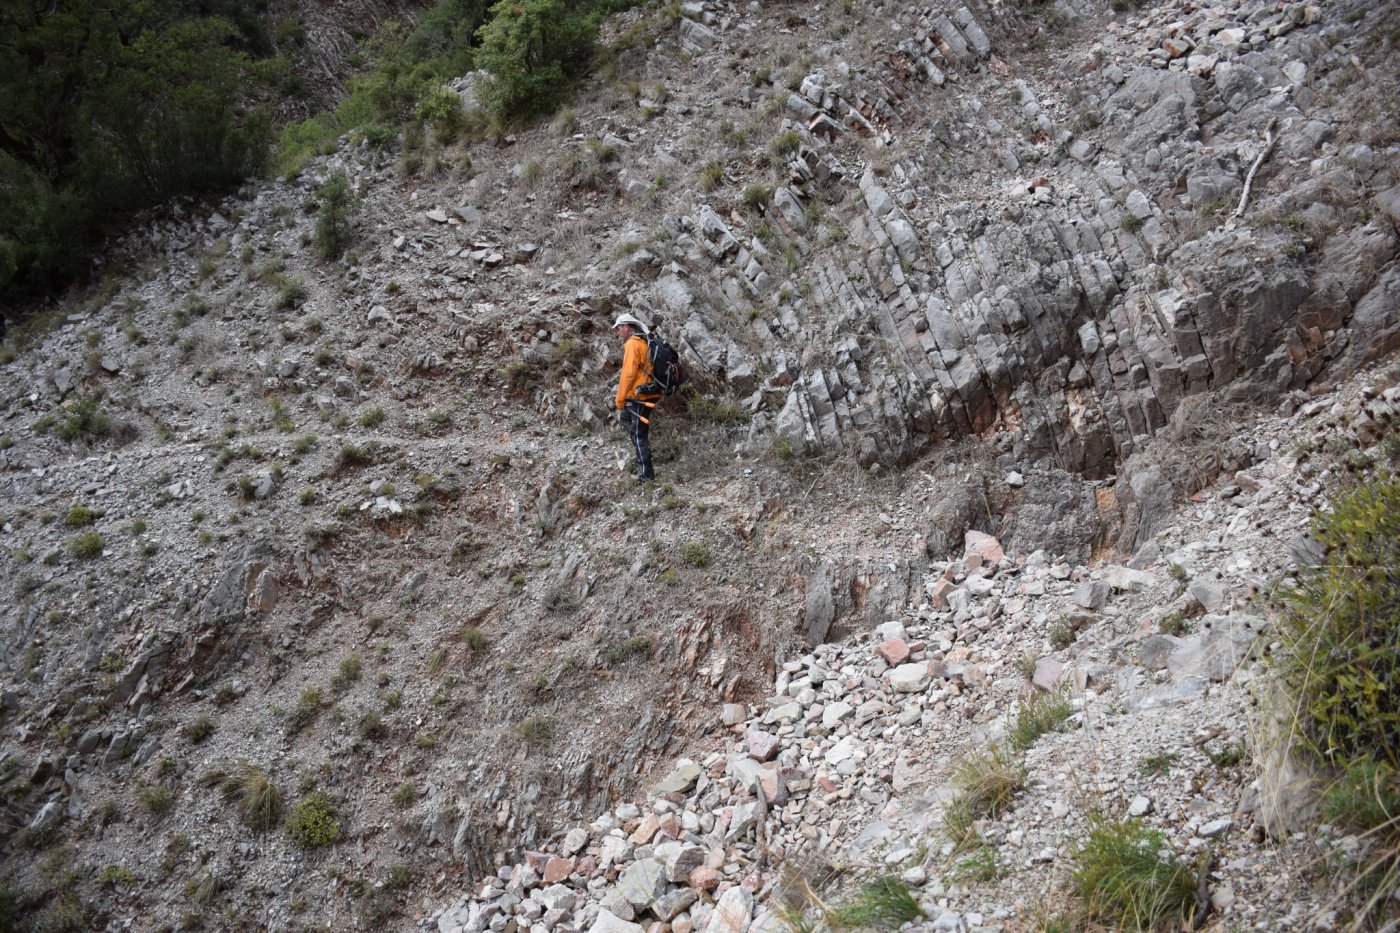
{"type": "Point", "coordinates": [636, 371]}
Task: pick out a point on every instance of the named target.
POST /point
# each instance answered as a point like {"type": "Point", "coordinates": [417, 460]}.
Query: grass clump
{"type": "Point", "coordinates": [985, 785]}
{"type": "Point", "coordinates": [535, 730]}
{"type": "Point", "coordinates": [85, 419]}
{"type": "Point", "coordinates": [1129, 880]}
{"type": "Point", "coordinates": [198, 729]}
{"type": "Point", "coordinates": [348, 673]}
{"type": "Point", "coordinates": [982, 865]}
{"type": "Point", "coordinates": [635, 647]}
{"type": "Point", "coordinates": [1039, 714]}
{"type": "Point", "coordinates": [405, 795]}
{"type": "Point", "coordinates": [305, 712]}
{"type": "Point", "coordinates": [1157, 765]}
{"type": "Point", "coordinates": [247, 787]}
{"type": "Point", "coordinates": [312, 823]}
{"type": "Point", "coordinates": [882, 903]}
{"type": "Point", "coordinates": [475, 639]}
{"type": "Point", "coordinates": [156, 799]}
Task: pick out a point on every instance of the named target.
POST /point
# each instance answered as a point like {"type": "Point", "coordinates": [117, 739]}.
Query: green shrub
{"type": "Point", "coordinates": [786, 143]}
{"type": "Point", "coordinates": [84, 419]}
{"type": "Point", "coordinates": [717, 411]}
{"type": "Point", "coordinates": [695, 553]}
{"type": "Point", "coordinates": [1364, 797]}
{"type": "Point", "coordinates": [1341, 632]}
{"type": "Point", "coordinates": [157, 101]}
{"type": "Point", "coordinates": [755, 197]}
{"type": "Point", "coordinates": [333, 218]}
{"type": "Point", "coordinates": [156, 799]}
{"type": "Point", "coordinates": [635, 647]}
{"type": "Point", "coordinates": [373, 418]}
{"type": "Point", "coordinates": [312, 823]}
{"type": "Point", "coordinates": [534, 50]}
{"type": "Point", "coordinates": [711, 176]}
{"type": "Point", "coordinates": [536, 730]}
{"type": "Point", "coordinates": [1128, 878]}
{"type": "Point", "coordinates": [351, 455]}
{"type": "Point", "coordinates": [405, 795]}
{"type": "Point", "coordinates": [290, 294]}
{"type": "Point", "coordinates": [307, 709]}
{"type": "Point", "coordinates": [441, 107]}
{"type": "Point", "coordinates": [1132, 223]}
{"type": "Point", "coordinates": [113, 876]}
{"type": "Point", "coordinates": [198, 729]}
{"type": "Point", "coordinates": [348, 673]}
{"type": "Point", "coordinates": [475, 639]}
{"type": "Point", "coordinates": [87, 545]}
{"type": "Point", "coordinates": [80, 515]}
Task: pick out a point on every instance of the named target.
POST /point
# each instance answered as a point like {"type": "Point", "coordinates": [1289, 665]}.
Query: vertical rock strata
{"type": "Point", "coordinates": [1065, 266]}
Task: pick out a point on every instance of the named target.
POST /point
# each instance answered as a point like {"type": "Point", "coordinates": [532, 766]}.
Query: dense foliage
{"type": "Point", "coordinates": [110, 107]}
{"type": "Point", "coordinates": [1342, 631]}
{"type": "Point", "coordinates": [1340, 662]}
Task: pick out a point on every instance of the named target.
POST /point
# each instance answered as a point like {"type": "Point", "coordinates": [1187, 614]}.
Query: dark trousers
{"type": "Point", "coordinates": [636, 418]}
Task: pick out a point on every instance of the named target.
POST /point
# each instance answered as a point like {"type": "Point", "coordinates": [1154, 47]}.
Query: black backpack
{"type": "Point", "coordinates": [667, 374]}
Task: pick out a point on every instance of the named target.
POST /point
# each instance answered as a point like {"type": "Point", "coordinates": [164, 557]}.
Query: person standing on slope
{"type": "Point", "coordinates": [636, 390]}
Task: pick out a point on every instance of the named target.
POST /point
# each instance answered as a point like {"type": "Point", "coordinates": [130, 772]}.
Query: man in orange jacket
{"type": "Point", "coordinates": [636, 390]}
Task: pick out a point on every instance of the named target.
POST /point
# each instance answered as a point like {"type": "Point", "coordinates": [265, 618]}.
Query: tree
{"type": "Point", "coordinates": [333, 219]}
{"type": "Point", "coordinates": [533, 49]}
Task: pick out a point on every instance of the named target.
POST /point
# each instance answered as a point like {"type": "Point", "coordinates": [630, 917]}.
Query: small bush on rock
{"type": "Point", "coordinates": [312, 823]}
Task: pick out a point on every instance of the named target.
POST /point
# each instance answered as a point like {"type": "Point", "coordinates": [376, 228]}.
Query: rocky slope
{"type": "Point", "coordinates": [849, 769]}
{"type": "Point", "coordinates": [362, 525]}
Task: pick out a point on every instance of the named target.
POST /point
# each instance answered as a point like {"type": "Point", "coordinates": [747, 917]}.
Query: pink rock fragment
{"type": "Point", "coordinates": [895, 651]}
{"type": "Point", "coordinates": [557, 869]}
{"type": "Point", "coordinates": [763, 746]}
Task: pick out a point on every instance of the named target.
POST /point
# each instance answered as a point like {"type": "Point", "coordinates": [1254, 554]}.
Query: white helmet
{"type": "Point", "coordinates": [632, 321]}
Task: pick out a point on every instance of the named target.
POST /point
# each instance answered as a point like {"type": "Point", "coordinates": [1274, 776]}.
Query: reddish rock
{"type": "Point", "coordinates": [983, 544]}
{"type": "Point", "coordinates": [557, 869]}
{"type": "Point", "coordinates": [763, 746]}
{"type": "Point", "coordinates": [895, 651]}
{"type": "Point", "coordinates": [645, 830]}
{"type": "Point", "coordinates": [1177, 47]}
{"type": "Point", "coordinates": [938, 593]}
{"type": "Point", "coordinates": [667, 827]}
{"type": "Point", "coordinates": [705, 879]}
{"type": "Point", "coordinates": [774, 784]}
{"type": "Point", "coordinates": [826, 783]}
{"type": "Point", "coordinates": [537, 860]}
